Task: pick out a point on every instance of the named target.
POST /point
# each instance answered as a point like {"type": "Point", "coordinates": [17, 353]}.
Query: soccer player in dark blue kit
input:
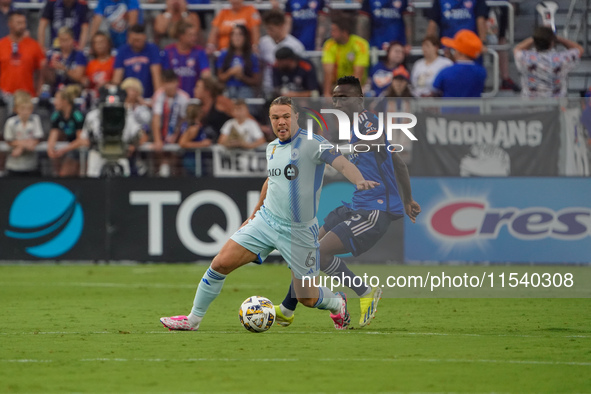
{"type": "Point", "coordinates": [355, 228]}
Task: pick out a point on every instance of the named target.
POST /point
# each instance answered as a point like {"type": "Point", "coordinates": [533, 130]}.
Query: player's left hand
{"type": "Point", "coordinates": [366, 185]}
{"type": "Point", "coordinates": [412, 209]}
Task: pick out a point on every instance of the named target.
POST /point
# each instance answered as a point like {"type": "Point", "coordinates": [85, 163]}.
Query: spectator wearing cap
{"type": "Point", "coordinates": [387, 20]}
{"type": "Point", "coordinates": [224, 22]}
{"type": "Point", "coordinates": [277, 37]}
{"type": "Point", "coordinates": [451, 16]}
{"type": "Point", "coordinates": [426, 69]}
{"type": "Point", "coordinates": [543, 68]}
{"type": "Point", "coordinates": [343, 54]}
{"type": "Point", "coordinates": [306, 21]}
{"type": "Point", "coordinates": [400, 86]}
{"type": "Point", "coordinates": [293, 76]}
{"type": "Point", "coordinates": [465, 78]}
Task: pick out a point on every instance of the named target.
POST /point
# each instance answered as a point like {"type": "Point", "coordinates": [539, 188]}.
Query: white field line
{"type": "Point", "coordinates": [287, 332]}
{"type": "Point", "coordinates": [394, 360]}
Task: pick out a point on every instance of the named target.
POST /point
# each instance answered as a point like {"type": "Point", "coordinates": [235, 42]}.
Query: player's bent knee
{"type": "Point", "coordinates": [309, 302]}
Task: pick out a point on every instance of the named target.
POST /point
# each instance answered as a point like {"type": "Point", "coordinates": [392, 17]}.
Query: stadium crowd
{"type": "Point", "coordinates": [186, 80]}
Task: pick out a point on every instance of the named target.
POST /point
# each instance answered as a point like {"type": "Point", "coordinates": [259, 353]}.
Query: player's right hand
{"type": "Point", "coordinates": [366, 185]}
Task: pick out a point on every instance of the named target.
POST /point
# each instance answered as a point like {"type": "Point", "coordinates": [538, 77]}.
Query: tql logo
{"type": "Point", "coordinates": [47, 219]}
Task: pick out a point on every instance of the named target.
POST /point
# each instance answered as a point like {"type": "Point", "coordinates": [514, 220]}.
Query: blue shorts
{"type": "Point", "coordinates": [297, 242]}
{"type": "Point", "coordinates": [359, 230]}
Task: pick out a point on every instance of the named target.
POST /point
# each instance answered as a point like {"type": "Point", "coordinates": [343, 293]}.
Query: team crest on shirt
{"type": "Point", "coordinates": [380, 201]}
{"type": "Point", "coordinates": [397, 3]}
{"type": "Point", "coordinates": [312, 5]}
{"type": "Point", "coordinates": [137, 67]}
{"type": "Point", "coordinates": [295, 154]}
{"type": "Point", "coordinates": [351, 56]}
{"type": "Point", "coordinates": [468, 4]}
{"type": "Point", "coordinates": [190, 63]}
{"type": "Point", "coordinates": [291, 172]}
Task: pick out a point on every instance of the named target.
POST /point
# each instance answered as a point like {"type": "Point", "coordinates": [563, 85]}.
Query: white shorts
{"type": "Point", "coordinates": [297, 242]}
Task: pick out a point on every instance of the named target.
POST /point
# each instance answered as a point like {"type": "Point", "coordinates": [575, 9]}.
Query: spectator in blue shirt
{"type": "Point", "coordinates": [64, 13]}
{"type": "Point", "coordinates": [389, 21]}
{"type": "Point", "coordinates": [451, 16]}
{"type": "Point", "coordinates": [465, 78]}
{"type": "Point", "coordinates": [65, 65]}
{"type": "Point", "coordinates": [120, 14]}
{"type": "Point", "coordinates": [306, 21]}
{"type": "Point", "coordinates": [380, 74]}
{"type": "Point", "coordinates": [139, 59]}
{"type": "Point", "coordinates": [238, 67]}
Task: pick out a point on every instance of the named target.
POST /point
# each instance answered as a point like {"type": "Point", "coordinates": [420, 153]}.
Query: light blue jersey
{"type": "Point", "coordinates": [287, 220]}
{"type": "Point", "coordinates": [296, 169]}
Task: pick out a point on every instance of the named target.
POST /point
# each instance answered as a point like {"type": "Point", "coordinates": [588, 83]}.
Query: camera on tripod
{"type": "Point", "coordinates": [112, 120]}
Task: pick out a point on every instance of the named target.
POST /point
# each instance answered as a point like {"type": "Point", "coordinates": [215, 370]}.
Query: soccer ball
{"type": "Point", "coordinates": [257, 314]}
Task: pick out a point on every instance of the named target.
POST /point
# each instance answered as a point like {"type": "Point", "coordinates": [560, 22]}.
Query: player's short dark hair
{"type": "Point", "coordinates": [138, 29]}
{"type": "Point", "coordinates": [12, 13]}
{"type": "Point", "coordinates": [169, 76]}
{"type": "Point", "coordinates": [351, 81]}
{"type": "Point", "coordinates": [342, 21]}
{"type": "Point", "coordinates": [274, 18]}
{"type": "Point", "coordinates": [284, 100]}
{"type": "Point", "coordinates": [543, 37]}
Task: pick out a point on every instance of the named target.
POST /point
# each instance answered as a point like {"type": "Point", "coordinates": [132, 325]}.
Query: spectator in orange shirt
{"type": "Point", "coordinates": [99, 70]}
{"type": "Point", "coordinates": [238, 14]}
{"type": "Point", "coordinates": [20, 57]}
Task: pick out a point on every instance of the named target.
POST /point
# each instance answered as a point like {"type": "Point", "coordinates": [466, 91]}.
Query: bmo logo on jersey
{"type": "Point", "coordinates": [291, 172]}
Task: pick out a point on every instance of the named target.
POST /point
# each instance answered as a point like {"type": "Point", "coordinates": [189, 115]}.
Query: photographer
{"type": "Point", "coordinates": [137, 117]}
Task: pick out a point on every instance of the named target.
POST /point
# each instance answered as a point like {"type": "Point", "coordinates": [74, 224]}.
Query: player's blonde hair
{"type": "Point", "coordinates": [22, 97]}
{"type": "Point", "coordinates": [132, 83]}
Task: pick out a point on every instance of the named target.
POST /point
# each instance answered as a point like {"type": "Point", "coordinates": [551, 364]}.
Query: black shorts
{"type": "Point", "coordinates": [359, 230]}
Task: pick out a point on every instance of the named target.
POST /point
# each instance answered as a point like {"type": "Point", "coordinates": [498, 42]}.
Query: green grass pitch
{"type": "Point", "coordinates": [90, 328]}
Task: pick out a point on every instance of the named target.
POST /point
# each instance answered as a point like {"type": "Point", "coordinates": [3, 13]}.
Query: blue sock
{"type": "Point", "coordinates": [337, 267]}
{"type": "Point", "coordinates": [207, 291]}
{"type": "Point", "coordinates": [290, 302]}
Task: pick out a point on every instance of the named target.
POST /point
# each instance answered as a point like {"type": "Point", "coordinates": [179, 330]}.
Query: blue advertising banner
{"type": "Point", "coordinates": [538, 220]}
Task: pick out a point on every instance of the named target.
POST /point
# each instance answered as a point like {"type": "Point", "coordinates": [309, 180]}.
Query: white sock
{"type": "Point", "coordinates": [194, 320]}
{"type": "Point", "coordinates": [286, 312]}
{"type": "Point", "coordinates": [328, 300]}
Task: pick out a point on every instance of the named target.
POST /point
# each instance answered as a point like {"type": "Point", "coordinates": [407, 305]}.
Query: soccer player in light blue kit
{"type": "Point", "coordinates": [355, 228]}
{"type": "Point", "coordinates": [284, 219]}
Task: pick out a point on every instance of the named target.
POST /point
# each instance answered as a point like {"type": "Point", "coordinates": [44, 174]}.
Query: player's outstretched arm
{"type": "Point", "coordinates": [345, 167]}
{"type": "Point", "coordinates": [260, 203]}
{"type": "Point", "coordinates": [411, 207]}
